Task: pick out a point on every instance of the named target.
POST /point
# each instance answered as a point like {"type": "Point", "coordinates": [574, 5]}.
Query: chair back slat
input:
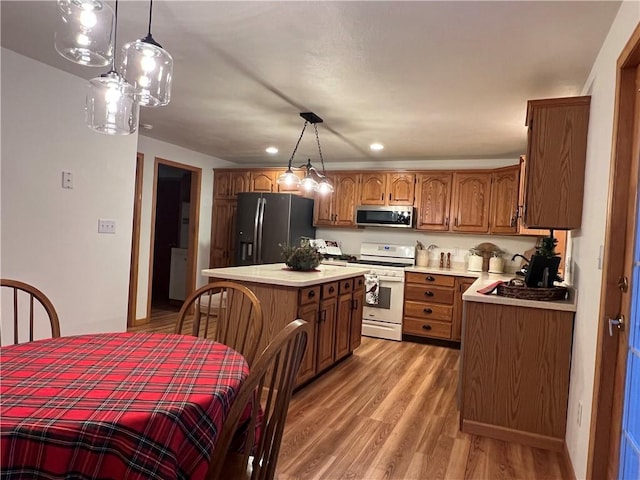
{"type": "Point", "coordinates": [226, 312]}
{"type": "Point", "coordinates": [269, 386]}
{"type": "Point", "coordinates": [34, 297]}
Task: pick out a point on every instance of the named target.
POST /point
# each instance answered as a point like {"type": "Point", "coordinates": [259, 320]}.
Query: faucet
{"type": "Point", "coordinates": [521, 256]}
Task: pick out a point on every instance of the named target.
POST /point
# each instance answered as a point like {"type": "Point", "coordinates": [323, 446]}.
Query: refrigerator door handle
{"type": "Point", "coordinates": [260, 228]}
{"type": "Point", "coordinates": [256, 247]}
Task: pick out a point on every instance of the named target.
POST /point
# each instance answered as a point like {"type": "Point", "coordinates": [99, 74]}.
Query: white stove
{"type": "Point", "coordinates": [382, 313]}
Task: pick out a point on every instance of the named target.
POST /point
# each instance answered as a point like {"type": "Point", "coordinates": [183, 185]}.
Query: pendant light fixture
{"type": "Point", "coordinates": [308, 183]}
{"type": "Point", "coordinates": [111, 108]}
{"type": "Point", "coordinates": [149, 68]}
{"type": "Point", "coordinates": [83, 34]}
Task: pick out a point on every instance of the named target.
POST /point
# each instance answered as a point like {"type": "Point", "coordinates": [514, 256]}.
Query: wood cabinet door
{"type": "Point", "coordinates": [522, 229]}
{"type": "Point", "coordinates": [462, 284]}
{"type": "Point", "coordinates": [433, 201]}
{"type": "Point", "coordinates": [343, 325]}
{"type": "Point", "coordinates": [471, 202]}
{"type": "Point", "coordinates": [355, 338]}
{"type": "Point", "coordinates": [504, 200]}
{"type": "Point", "coordinates": [323, 207]}
{"type": "Point", "coordinates": [373, 189]}
{"type": "Point", "coordinates": [308, 313]}
{"type": "Point", "coordinates": [265, 181]}
{"type": "Point", "coordinates": [222, 232]}
{"type": "Point", "coordinates": [239, 182]}
{"type": "Point", "coordinates": [221, 184]}
{"type": "Point", "coordinates": [325, 353]}
{"type": "Point", "coordinates": [556, 156]}
{"type": "Point", "coordinates": [344, 196]}
{"type": "Point", "coordinates": [401, 188]}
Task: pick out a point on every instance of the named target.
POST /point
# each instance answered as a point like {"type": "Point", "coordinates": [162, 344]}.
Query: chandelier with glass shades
{"type": "Point", "coordinates": [86, 34]}
{"type": "Point", "coordinates": [314, 180]}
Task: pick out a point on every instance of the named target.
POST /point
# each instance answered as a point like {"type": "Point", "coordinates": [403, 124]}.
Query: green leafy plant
{"type": "Point", "coordinates": [547, 247]}
{"type": "Point", "coordinates": [303, 257]}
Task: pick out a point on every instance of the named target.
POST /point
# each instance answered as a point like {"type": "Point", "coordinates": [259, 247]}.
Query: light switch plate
{"type": "Point", "coordinates": [67, 180]}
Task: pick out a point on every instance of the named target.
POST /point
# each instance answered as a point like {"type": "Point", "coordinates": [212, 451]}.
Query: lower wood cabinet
{"type": "Point", "coordinates": [433, 305]}
{"type": "Point", "coordinates": [515, 373]}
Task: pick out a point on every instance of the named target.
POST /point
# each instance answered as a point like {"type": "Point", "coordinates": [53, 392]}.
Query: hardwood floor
{"type": "Point", "coordinates": [389, 412]}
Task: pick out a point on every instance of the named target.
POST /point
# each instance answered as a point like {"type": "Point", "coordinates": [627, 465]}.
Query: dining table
{"type": "Point", "coordinates": [114, 405]}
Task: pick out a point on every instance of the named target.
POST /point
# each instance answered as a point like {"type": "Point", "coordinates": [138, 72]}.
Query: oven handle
{"type": "Point", "coordinates": [390, 279]}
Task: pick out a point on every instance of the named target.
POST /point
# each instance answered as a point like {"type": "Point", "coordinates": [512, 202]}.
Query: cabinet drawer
{"type": "Point", "coordinates": [429, 294]}
{"type": "Point", "coordinates": [430, 279]}
{"type": "Point", "coordinates": [346, 286]}
{"type": "Point", "coordinates": [330, 290]}
{"type": "Point", "coordinates": [310, 295]}
{"type": "Point", "coordinates": [427, 328]}
{"type": "Point", "coordinates": [358, 283]}
{"type": "Point", "coordinates": [428, 311]}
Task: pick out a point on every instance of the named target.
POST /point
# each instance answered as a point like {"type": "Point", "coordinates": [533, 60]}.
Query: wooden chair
{"type": "Point", "coordinates": [33, 295]}
{"type": "Point", "coordinates": [226, 312]}
{"type": "Point", "coordinates": [271, 382]}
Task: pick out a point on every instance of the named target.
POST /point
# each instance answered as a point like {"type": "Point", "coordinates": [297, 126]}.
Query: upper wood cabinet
{"type": "Point", "coordinates": [339, 208]}
{"type": "Point", "coordinates": [433, 198]}
{"type": "Point", "coordinates": [471, 202]}
{"type": "Point", "coordinates": [264, 181]}
{"type": "Point", "coordinates": [504, 200]}
{"type": "Point", "coordinates": [387, 188]}
{"type": "Point", "coordinates": [556, 156]}
{"type": "Point", "coordinates": [228, 183]}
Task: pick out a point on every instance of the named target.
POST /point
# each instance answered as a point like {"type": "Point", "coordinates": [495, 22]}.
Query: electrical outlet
{"type": "Point", "coordinates": [67, 180]}
{"type": "Point", "coordinates": [579, 419]}
{"type": "Point", "coordinates": [456, 251]}
{"type": "Point", "coordinates": [106, 226]}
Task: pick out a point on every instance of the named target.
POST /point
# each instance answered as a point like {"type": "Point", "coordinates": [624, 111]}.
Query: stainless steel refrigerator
{"type": "Point", "coordinates": [265, 221]}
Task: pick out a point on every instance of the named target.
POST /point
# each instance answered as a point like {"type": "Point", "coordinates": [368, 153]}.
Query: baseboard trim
{"type": "Point", "coordinates": [510, 435]}
{"type": "Point", "coordinates": [568, 465]}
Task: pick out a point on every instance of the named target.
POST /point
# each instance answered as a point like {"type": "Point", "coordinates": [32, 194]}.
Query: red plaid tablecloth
{"type": "Point", "coordinates": [114, 406]}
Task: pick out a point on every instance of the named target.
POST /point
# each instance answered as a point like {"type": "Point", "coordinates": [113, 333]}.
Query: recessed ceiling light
{"type": "Point", "coordinates": [271, 150]}
{"type": "Point", "coordinates": [376, 147]}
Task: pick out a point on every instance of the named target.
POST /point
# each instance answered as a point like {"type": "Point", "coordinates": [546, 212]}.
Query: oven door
{"type": "Point", "coordinates": [389, 306]}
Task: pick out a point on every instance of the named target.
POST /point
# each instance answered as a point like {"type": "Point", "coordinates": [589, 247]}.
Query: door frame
{"type": "Point", "coordinates": [192, 242]}
{"type": "Point", "coordinates": [608, 391]}
{"type": "Point", "coordinates": [135, 243]}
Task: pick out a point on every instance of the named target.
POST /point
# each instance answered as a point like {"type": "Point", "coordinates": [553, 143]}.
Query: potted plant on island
{"type": "Point", "coordinates": [303, 258]}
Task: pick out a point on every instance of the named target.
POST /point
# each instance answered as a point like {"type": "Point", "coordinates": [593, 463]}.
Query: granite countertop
{"type": "Point", "coordinates": [278, 274]}
{"type": "Point", "coordinates": [472, 295]}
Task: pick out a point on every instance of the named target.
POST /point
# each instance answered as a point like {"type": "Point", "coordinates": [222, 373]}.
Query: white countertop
{"type": "Point", "coordinates": [278, 274]}
{"type": "Point", "coordinates": [472, 295]}
{"type": "Point", "coordinates": [454, 271]}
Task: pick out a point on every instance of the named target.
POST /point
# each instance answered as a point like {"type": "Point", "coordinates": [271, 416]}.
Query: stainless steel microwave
{"type": "Point", "coordinates": [377, 216]}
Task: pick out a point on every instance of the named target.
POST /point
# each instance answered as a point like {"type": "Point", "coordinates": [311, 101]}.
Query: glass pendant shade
{"type": "Point", "coordinates": [84, 32]}
{"type": "Point", "coordinates": [289, 179]}
{"type": "Point", "coordinates": [110, 107]}
{"type": "Point", "coordinates": [324, 186]}
{"type": "Point", "coordinates": [148, 68]}
{"type": "Point", "coordinates": [308, 184]}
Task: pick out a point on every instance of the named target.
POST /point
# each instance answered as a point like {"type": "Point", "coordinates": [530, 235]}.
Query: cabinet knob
{"type": "Point", "coordinates": [428, 293]}
{"type": "Point", "coordinates": [427, 310]}
{"type": "Point", "coordinates": [311, 294]}
{"type": "Point", "coordinates": [430, 279]}
{"type": "Point", "coordinates": [426, 327]}
{"type": "Point", "coordinates": [331, 289]}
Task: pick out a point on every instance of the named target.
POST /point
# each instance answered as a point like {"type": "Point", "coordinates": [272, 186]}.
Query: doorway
{"type": "Point", "coordinates": [174, 235]}
{"type": "Point", "coordinates": [616, 296]}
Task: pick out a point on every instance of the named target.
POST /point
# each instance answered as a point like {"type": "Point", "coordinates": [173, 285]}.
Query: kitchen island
{"type": "Point", "coordinates": [515, 365]}
{"type": "Point", "coordinates": [330, 298]}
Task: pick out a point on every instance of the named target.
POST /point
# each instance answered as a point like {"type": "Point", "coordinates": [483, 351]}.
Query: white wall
{"type": "Point", "coordinates": [49, 235]}
{"type": "Point", "coordinates": [151, 149]}
{"type": "Point", "coordinates": [587, 275]}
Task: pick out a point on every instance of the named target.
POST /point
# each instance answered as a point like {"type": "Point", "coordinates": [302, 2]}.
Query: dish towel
{"type": "Point", "coordinates": [371, 286]}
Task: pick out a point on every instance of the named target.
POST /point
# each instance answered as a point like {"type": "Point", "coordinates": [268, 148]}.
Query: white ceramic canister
{"type": "Point", "coordinates": [475, 261]}
{"type": "Point", "coordinates": [496, 264]}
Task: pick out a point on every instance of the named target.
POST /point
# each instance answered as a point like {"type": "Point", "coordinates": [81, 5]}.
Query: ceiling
{"type": "Point", "coordinates": [429, 80]}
